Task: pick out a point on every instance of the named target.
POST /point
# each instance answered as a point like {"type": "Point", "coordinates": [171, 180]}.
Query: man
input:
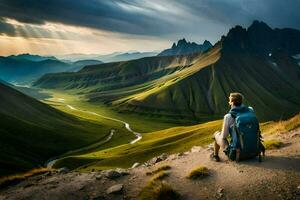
{"type": "Point", "coordinates": [235, 100]}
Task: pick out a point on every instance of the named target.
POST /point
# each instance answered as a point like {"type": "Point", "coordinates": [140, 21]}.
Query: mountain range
{"type": "Point", "coordinates": [112, 57]}
{"type": "Point", "coordinates": [25, 68]}
{"type": "Point", "coordinates": [256, 61]}
{"type": "Point", "coordinates": [183, 48]}
{"type": "Point", "coordinates": [34, 58]}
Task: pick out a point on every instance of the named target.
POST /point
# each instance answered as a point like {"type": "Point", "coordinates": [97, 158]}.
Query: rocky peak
{"type": "Point", "coordinates": [184, 47]}
{"type": "Point", "coordinates": [236, 40]}
{"type": "Point", "coordinates": [259, 26]}
{"type": "Point", "coordinates": [182, 42]}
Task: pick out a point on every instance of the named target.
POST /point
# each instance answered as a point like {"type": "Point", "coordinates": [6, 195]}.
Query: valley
{"type": "Point", "coordinates": [193, 88]}
{"type": "Point", "coordinates": [147, 106]}
{"type": "Point", "coordinates": [85, 118]}
{"type": "Point", "coordinates": [29, 126]}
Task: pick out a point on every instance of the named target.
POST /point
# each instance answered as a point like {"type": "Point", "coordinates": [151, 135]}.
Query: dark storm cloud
{"type": "Point", "coordinates": [115, 15]}
{"type": "Point", "coordinates": [6, 28]}
{"type": "Point", "coordinates": [278, 13]}
{"type": "Point", "coordinates": [153, 17]}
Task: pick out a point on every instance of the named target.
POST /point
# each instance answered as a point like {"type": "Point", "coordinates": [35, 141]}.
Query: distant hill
{"type": "Point", "coordinates": [80, 56]}
{"type": "Point", "coordinates": [113, 57]}
{"type": "Point", "coordinates": [35, 58]}
{"type": "Point", "coordinates": [183, 48]}
{"type": "Point", "coordinates": [78, 65]}
{"type": "Point", "coordinates": [32, 132]}
{"type": "Point", "coordinates": [24, 71]}
{"type": "Point", "coordinates": [130, 56]}
{"type": "Point", "coordinates": [25, 68]}
{"type": "Point", "coordinates": [109, 76]}
{"type": "Point", "coordinates": [196, 86]}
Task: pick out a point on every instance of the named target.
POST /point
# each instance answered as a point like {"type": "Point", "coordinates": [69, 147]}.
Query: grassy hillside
{"type": "Point", "coordinates": [274, 92]}
{"type": "Point", "coordinates": [103, 80]}
{"type": "Point", "coordinates": [177, 139]}
{"type": "Point", "coordinates": [196, 87]}
{"type": "Point", "coordinates": [32, 132]}
{"type": "Point", "coordinates": [172, 140]}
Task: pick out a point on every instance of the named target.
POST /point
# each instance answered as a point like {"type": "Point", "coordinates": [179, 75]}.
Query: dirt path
{"type": "Point", "coordinates": [49, 164]}
{"type": "Point", "coordinates": [127, 126]}
{"type": "Point", "coordinates": [277, 177]}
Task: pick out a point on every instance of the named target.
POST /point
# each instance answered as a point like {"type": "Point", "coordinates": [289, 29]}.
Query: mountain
{"type": "Point", "coordinates": [196, 86]}
{"type": "Point", "coordinates": [113, 57]}
{"type": "Point", "coordinates": [79, 56]}
{"type": "Point", "coordinates": [264, 39]}
{"type": "Point", "coordinates": [183, 47]}
{"type": "Point", "coordinates": [25, 68]}
{"type": "Point", "coordinates": [130, 56]}
{"type": "Point", "coordinates": [35, 58]}
{"type": "Point", "coordinates": [24, 71]}
{"type": "Point", "coordinates": [78, 65]}
{"type": "Point", "coordinates": [109, 76]}
{"type": "Point", "coordinates": [31, 132]}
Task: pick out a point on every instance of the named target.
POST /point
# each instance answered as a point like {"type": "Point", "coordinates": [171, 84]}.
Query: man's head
{"type": "Point", "coordinates": [235, 99]}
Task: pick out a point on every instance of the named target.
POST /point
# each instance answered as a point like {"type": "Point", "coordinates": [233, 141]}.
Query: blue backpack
{"type": "Point", "coordinates": [245, 135]}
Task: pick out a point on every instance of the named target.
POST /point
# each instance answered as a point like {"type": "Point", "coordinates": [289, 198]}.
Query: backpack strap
{"type": "Point", "coordinates": [233, 114]}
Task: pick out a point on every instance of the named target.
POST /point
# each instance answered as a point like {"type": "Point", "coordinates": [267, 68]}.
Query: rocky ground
{"type": "Point", "coordinates": [277, 177]}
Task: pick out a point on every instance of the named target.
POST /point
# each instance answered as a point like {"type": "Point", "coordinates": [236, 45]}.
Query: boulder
{"type": "Point", "coordinates": [63, 170]}
{"type": "Point", "coordinates": [298, 190]}
{"type": "Point", "coordinates": [115, 189]}
{"type": "Point", "coordinates": [123, 172]}
{"type": "Point", "coordinates": [196, 149]}
{"type": "Point", "coordinates": [180, 154]}
{"type": "Point", "coordinates": [173, 157]}
{"type": "Point", "coordinates": [157, 159]}
{"type": "Point", "coordinates": [220, 193]}
{"type": "Point", "coordinates": [111, 174]}
{"type": "Point", "coordinates": [99, 177]}
{"type": "Point", "coordinates": [163, 156]}
{"type": "Point", "coordinates": [135, 165]}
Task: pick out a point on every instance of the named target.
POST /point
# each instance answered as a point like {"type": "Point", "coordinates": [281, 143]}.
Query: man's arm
{"type": "Point", "coordinates": [227, 122]}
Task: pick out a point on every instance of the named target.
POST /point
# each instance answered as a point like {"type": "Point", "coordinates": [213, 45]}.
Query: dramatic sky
{"type": "Point", "coordinates": [104, 26]}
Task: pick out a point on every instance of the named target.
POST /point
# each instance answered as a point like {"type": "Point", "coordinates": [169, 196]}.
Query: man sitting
{"type": "Point", "coordinates": [235, 100]}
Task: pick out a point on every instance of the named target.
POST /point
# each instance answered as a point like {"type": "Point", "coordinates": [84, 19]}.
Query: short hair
{"type": "Point", "coordinates": [236, 98]}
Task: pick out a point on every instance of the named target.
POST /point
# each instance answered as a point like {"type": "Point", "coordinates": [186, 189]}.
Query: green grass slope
{"type": "Point", "coordinates": [270, 84]}
{"type": "Point", "coordinates": [273, 91]}
{"type": "Point", "coordinates": [196, 87]}
{"type": "Point", "coordinates": [32, 132]}
{"type": "Point", "coordinates": [172, 140]}
{"type": "Point", "coordinates": [111, 80]}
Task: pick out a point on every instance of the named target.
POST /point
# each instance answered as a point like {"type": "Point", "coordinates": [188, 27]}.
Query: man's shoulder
{"type": "Point", "coordinates": [228, 116]}
{"type": "Point", "coordinates": [228, 119]}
